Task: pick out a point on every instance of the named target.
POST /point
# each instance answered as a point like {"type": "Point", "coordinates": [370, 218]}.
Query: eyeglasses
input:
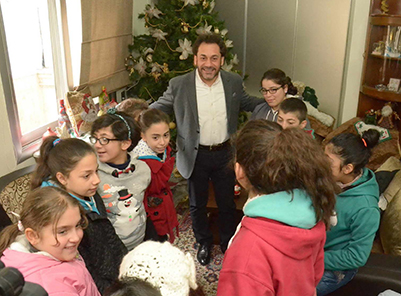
{"type": "Point", "coordinates": [102, 141]}
{"type": "Point", "coordinates": [264, 91]}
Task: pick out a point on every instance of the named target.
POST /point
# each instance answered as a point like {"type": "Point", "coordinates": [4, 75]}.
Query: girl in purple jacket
{"type": "Point", "coordinates": [43, 245]}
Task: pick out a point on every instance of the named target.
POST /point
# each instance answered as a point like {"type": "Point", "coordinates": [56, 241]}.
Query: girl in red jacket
{"type": "Point", "coordinates": [154, 149]}
{"type": "Point", "coordinates": [278, 247]}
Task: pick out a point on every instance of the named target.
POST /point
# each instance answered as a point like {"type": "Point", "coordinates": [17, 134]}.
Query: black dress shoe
{"type": "Point", "coordinates": [203, 255]}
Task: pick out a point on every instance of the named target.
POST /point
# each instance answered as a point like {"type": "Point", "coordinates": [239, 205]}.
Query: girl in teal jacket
{"type": "Point", "coordinates": [357, 216]}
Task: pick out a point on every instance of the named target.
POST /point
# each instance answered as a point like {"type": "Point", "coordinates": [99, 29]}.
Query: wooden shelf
{"type": "Point", "coordinates": [385, 20]}
{"type": "Point", "coordinates": [384, 57]}
{"type": "Point", "coordinates": [381, 95]}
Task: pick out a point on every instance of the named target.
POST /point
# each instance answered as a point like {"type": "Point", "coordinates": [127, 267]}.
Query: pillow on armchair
{"type": "Point", "coordinates": [380, 153]}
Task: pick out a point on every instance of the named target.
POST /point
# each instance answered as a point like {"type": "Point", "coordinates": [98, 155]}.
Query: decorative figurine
{"type": "Point", "coordinates": [371, 117]}
{"type": "Point", "coordinates": [387, 116]}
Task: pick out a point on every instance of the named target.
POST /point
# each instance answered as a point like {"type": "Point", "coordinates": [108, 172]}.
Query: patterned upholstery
{"type": "Point", "coordinates": [14, 188]}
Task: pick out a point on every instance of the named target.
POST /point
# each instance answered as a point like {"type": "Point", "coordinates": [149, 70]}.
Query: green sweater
{"type": "Point", "coordinates": [349, 242]}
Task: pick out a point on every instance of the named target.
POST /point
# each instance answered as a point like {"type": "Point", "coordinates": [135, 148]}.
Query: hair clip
{"type": "Point", "coordinates": [112, 110]}
{"type": "Point", "coordinates": [364, 142]}
{"type": "Point", "coordinates": [19, 224]}
{"type": "Point", "coordinates": [56, 141]}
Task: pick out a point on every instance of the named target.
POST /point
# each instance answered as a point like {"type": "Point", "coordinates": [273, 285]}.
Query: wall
{"type": "Point", "coordinates": [354, 59]}
{"type": "Point", "coordinates": [317, 42]}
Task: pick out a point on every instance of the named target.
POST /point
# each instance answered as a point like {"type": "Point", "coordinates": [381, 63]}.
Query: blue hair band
{"type": "Point", "coordinates": [126, 124]}
{"type": "Point", "coordinates": [56, 141]}
{"type": "Point", "coordinates": [112, 111]}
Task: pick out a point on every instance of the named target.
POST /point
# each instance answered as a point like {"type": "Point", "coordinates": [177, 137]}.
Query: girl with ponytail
{"type": "Point", "coordinates": [275, 86]}
{"type": "Point", "coordinates": [357, 216]}
{"type": "Point", "coordinates": [291, 198]}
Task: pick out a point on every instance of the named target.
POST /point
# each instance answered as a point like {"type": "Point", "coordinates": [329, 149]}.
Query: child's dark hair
{"type": "Point", "coordinates": [279, 77]}
{"type": "Point", "coordinates": [296, 106]}
{"type": "Point", "coordinates": [210, 39]}
{"type": "Point", "coordinates": [152, 116]}
{"type": "Point", "coordinates": [59, 155]}
{"type": "Point", "coordinates": [122, 125]}
{"type": "Point", "coordinates": [275, 160]}
{"type": "Point", "coordinates": [131, 287]}
{"type": "Point", "coordinates": [354, 149]}
{"type": "Point", "coordinates": [42, 206]}
{"type": "Point", "coordinates": [133, 107]}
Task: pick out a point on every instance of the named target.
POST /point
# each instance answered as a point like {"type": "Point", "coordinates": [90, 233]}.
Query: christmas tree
{"type": "Point", "coordinates": [166, 51]}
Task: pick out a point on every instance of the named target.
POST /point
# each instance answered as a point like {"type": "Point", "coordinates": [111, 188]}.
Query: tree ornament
{"type": "Point", "coordinates": [149, 58]}
{"type": "Point", "coordinates": [205, 4]}
{"type": "Point", "coordinates": [172, 125]}
{"type": "Point", "coordinates": [184, 28]}
{"type": "Point", "coordinates": [152, 11]}
{"type": "Point", "coordinates": [165, 68]}
{"type": "Point", "coordinates": [216, 30]}
{"type": "Point", "coordinates": [156, 76]}
{"type": "Point", "coordinates": [185, 48]}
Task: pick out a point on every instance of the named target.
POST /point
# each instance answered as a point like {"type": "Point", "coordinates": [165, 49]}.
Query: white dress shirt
{"type": "Point", "coordinates": [212, 111]}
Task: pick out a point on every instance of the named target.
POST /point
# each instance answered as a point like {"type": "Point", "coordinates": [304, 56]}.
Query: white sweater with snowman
{"type": "Point", "coordinates": [122, 192]}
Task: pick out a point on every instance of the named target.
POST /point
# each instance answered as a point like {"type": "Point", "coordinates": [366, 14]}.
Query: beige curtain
{"type": "Point", "coordinates": [106, 33]}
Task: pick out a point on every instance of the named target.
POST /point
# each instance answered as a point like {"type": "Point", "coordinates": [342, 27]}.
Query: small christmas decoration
{"type": "Point", "coordinates": [237, 190]}
{"type": "Point", "coordinates": [310, 96]}
{"type": "Point", "coordinates": [81, 112]}
{"type": "Point", "coordinates": [49, 132]}
{"type": "Point", "coordinates": [105, 103]}
{"type": "Point", "coordinates": [387, 116]}
{"type": "Point", "coordinates": [371, 117]}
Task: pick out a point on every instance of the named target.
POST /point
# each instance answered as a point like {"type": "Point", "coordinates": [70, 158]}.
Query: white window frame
{"type": "Point", "coordinates": [25, 146]}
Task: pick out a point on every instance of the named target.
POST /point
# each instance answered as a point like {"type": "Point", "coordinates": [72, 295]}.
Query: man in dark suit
{"type": "Point", "coordinates": [206, 103]}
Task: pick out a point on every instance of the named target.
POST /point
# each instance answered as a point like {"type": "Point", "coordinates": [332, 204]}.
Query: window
{"type": "Point", "coordinates": [31, 68]}
{"type": "Point", "coordinates": [41, 44]}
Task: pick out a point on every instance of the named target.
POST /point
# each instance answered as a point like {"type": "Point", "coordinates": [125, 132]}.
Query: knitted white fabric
{"type": "Point", "coordinates": [162, 265]}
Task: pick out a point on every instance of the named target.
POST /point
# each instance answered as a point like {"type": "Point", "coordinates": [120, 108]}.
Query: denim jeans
{"type": "Point", "coordinates": [333, 280]}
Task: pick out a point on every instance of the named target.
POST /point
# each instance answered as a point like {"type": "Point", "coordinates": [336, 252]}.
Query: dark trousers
{"type": "Point", "coordinates": [214, 166]}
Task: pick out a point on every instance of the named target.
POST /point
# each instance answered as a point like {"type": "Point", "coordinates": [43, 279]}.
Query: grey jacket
{"type": "Point", "coordinates": [180, 98]}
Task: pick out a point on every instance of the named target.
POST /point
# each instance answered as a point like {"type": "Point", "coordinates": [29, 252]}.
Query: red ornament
{"type": "Point", "coordinates": [48, 133]}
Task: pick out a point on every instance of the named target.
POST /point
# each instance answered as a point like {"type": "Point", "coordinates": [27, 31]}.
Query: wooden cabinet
{"type": "Point", "coordinates": [382, 59]}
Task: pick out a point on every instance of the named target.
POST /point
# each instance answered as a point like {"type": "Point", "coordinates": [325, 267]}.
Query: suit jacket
{"type": "Point", "coordinates": [180, 98]}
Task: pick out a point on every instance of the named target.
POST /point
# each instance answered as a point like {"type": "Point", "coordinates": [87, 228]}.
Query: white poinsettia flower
{"type": "Point", "coordinates": [229, 43]}
{"type": "Point", "coordinates": [148, 50]}
{"type": "Point", "coordinates": [212, 5]}
{"type": "Point", "coordinates": [185, 48]}
{"type": "Point", "coordinates": [135, 54]}
{"type": "Point", "coordinates": [204, 30]}
{"type": "Point", "coordinates": [158, 34]}
{"type": "Point", "coordinates": [235, 60]}
{"type": "Point", "coordinates": [227, 67]}
{"type": "Point", "coordinates": [156, 68]}
{"type": "Point", "coordinates": [224, 33]}
{"type": "Point", "coordinates": [192, 2]}
{"type": "Point", "coordinates": [152, 11]}
{"type": "Point", "coordinates": [141, 67]}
